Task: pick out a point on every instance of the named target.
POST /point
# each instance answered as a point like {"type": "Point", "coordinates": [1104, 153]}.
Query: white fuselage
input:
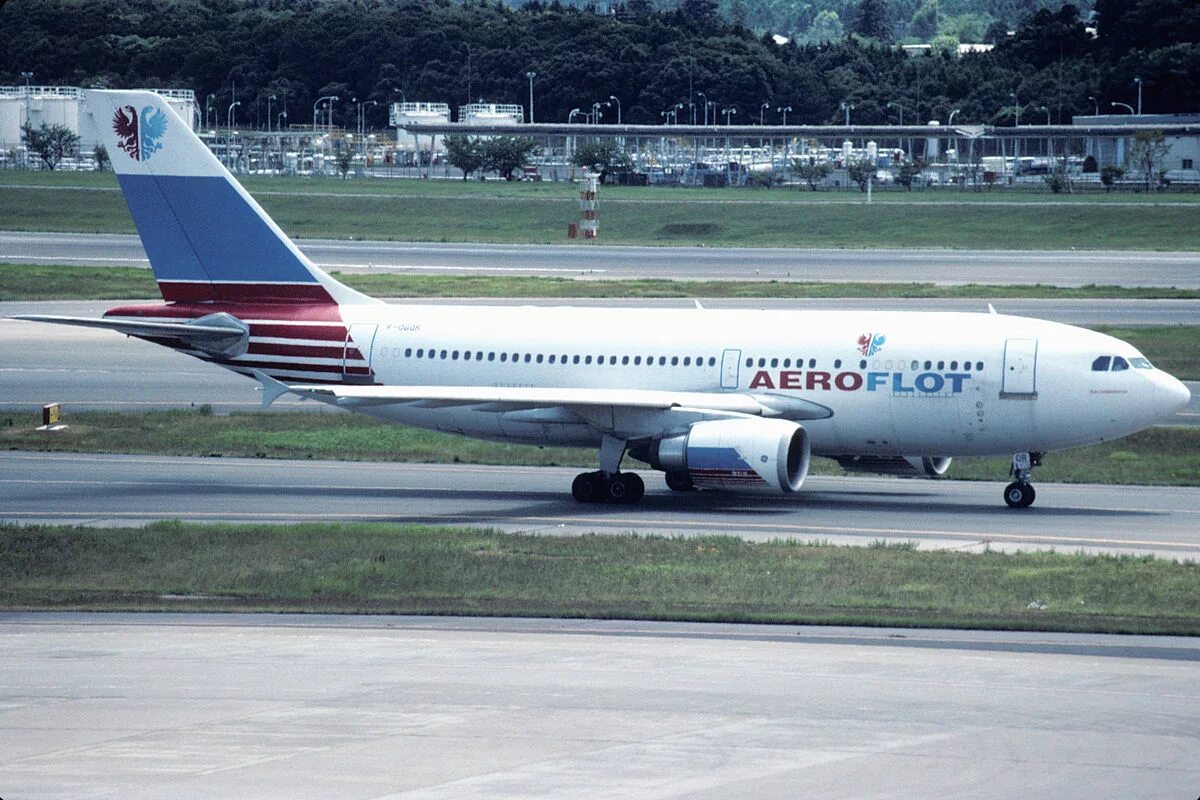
{"type": "Point", "coordinates": [934, 383]}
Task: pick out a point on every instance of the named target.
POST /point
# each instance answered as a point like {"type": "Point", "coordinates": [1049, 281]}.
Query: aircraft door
{"type": "Point", "coordinates": [1020, 369]}
{"type": "Point", "coordinates": [356, 356]}
{"type": "Point", "coordinates": [730, 364]}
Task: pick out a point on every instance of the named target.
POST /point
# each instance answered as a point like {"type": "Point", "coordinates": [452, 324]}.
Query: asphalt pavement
{"type": "Point", "coordinates": [960, 515]}
{"type": "Point", "coordinates": [585, 260]}
{"type": "Point", "coordinates": [367, 708]}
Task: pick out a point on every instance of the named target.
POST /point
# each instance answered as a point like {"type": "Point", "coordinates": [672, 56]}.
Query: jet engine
{"type": "Point", "coordinates": [766, 455]}
{"type": "Point", "coordinates": [933, 466]}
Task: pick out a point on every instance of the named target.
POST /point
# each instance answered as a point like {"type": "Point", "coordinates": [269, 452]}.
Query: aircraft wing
{"type": "Point", "coordinates": [549, 405]}
{"type": "Point", "coordinates": [220, 334]}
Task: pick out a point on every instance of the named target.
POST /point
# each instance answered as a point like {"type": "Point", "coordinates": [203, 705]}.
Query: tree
{"type": "Point", "coordinates": [908, 172]}
{"type": "Point", "coordinates": [1146, 155]}
{"type": "Point", "coordinates": [944, 45]}
{"type": "Point", "coordinates": [827, 27]}
{"type": "Point", "coordinates": [1110, 174]}
{"type": "Point", "coordinates": [813, 172]}
{"type": "Point", "coordinates": [871, 20]}
{"type": "Point", "coordinates": [344, 158]}
{"type": "Point", "coordinates": [602, 156]}
{"type": "Point", "coordinates": [100, 153]}
{"type": "Point", "coordinates": [924, 24]}
{"type": "Point", "coordinates": [50, 143]}
{"type": "Point", "coordinates": [464, 153]}
{"type": "Point", "coordinates": [503, 154]}
{"type": "Point", "coordinates": [861, 171]}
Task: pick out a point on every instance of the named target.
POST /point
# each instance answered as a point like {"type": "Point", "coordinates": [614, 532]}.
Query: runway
{"type": "Point", "coordinates": [95, 369]}
{"type": "Point", "coordinates": [1011, 267]}
{"type": "Point", "coordinates": [964, 515]}
{"type": "Point", "coordinates": [279, 706]}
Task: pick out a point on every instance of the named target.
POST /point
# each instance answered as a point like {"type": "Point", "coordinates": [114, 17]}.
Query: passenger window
{"type": "Point", "coordinates": [774, 363]}
{"type": "Point", "coordinates": [552, 358]}
{"type": "Point", "coordinates": [812, 363]}
{"type": "Point", "coordinates": [941, 365]}
{"type": "Point", "coordinates": [1100, 364]}
{"type": "Point", "coordinates": [466, 355]}
{"type": "Point", "coordinates": [687, 361]}
{"type": "Point", "coordinates": [1119, 364]}
{"type": "Point", "coordinates": [504, 356]}
{"type": "Point", "coordinates": [862, 364]}
{"type": "Point", "coordinates": [915, 365]}
{"type": "Point", "coordinates": [420, 352]}
{"type": "Point", "coordinates": [953, 365]}
{"type": "Point", "coordinates": [749, 362]}
{"type": "Point", "coordinates": [979, 366]}
{"type": "Point", "coordinates": [624, 359]}
{"type": "Point", "coordinates": [491, 356]}
{"type": "Point", "coordinates": [762, 362]}
{"type": "Point", "coordinates": [637, 360]}
{"type": "Point", "coordinates": [837, 364]}
{"type": "Point", "coordinates": [539, 358]}
{"type": "Point", "coordinates": [574, 359]}
{"type": "Point", "coordinates": [928, 365]}
{"type": "Point", "coordinates": [674, 361]}
{"type": "Point", "coordinates": [712, 361]}
{"type": "Point", "coordinates": [408, 352]}
{"type": "Point", "coordinates": [587, 359]}
{"type": "Point", "coordinates": [787, 362]}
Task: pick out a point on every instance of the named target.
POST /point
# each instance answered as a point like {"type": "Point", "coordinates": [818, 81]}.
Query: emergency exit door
{"type": "Point", "coordinates": [356, 357]}
{"type": "Point", "coordinates": [729, 368]}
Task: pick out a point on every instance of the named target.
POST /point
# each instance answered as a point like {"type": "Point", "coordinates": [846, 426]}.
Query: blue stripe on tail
{"type": "Point", "coordinates": [202, 229]}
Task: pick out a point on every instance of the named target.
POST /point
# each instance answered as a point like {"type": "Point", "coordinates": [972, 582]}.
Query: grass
{"type": "Point", "coordinates": [417, 570]}
{"type": "Point", "coordinates": [503, 212]}
{"type": "Point", "coordinates": [63, 282]}
{"type": "Point", "coordinates": [1164, 456]}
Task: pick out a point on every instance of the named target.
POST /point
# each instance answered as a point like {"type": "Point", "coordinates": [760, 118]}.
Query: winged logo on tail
{"type": "Point", "coordinates": [125, 125]}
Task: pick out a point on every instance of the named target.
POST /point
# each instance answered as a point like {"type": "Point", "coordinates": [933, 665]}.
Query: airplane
{"type": "Point", "coordinates": [716, 399]}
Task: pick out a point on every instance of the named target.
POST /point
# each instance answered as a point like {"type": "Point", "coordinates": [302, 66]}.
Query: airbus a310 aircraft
{"type": "Point", "coordinates": [735, 400]}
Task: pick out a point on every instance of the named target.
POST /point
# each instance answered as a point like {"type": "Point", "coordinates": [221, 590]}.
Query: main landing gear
{"type": "Point", "coordinates": [617, 487]}
{"type": "Point", "coordinates": [609, 484]}
{"type": "Point", "coordinates": [1020, 493]}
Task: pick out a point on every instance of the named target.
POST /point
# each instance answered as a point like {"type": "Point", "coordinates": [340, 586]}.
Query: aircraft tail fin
{"type": "Point", "coordinates": [207, 239]}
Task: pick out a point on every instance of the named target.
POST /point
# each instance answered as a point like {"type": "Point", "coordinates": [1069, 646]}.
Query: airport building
{"type": "Point", "coordinates": [63, 105]}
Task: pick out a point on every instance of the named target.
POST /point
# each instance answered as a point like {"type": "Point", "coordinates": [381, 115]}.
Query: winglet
{"type": "Point", "coordinates": [272, 389]}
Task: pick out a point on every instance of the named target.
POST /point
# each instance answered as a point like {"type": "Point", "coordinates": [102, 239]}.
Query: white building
{"type": "Point", "coordinates": [407, 119]}
{"type": "Point", "coordinates": [64, 105]}
{"type": "Point", "coordinates": [491, 114]}
{"type": "Point", "coordinates": [1182, 162]}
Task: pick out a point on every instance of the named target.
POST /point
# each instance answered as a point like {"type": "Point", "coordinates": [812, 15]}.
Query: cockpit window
{"type": "Point", "coordinates": [1101, 364]}
{"type": "Point", "coordinates": [1141, 363]}
{"type": "Point", "coordinates": [1119, 364]}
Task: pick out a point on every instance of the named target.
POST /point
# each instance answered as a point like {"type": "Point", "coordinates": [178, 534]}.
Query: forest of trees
{"type": "Point", "coordinates": [649, 58]}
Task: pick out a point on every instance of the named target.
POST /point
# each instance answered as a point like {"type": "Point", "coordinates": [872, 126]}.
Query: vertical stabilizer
{"type": "Point", "coordinates": [206, 237]}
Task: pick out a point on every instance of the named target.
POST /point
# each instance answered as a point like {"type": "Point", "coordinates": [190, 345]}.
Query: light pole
{"type": "Point", "coordinates": [1016, 109]}
{"type": "Point", "coordinates": [702, 94]}
{"type": "Point", "coordinates": [279, 120]}
{"type": "Point", "coordinates": [728, 112]}
{"type": "Point", "coordinates": [331, 97]}
{"type": "Point", "coordinates": [1123, 105]}
{"type": "Point", "coordinates": [1043, 108]}
{"type": "Point", "coordinates": [1138, 81]}
{"type": "Point", "coordinates": [761, 109]}
{"type": "Point", "coordinates": [596, 115]}
{"type": "Point", "coordinates": [950, 121]}
{"type": "Point", "coordinates": [784, 110]}
{"type": "Point", "coordinates": [209, 111]}
{"type": "Point", "coordinates": [1095, 105]}
{"type": "Point", "coordinates": [614, 99]}
{"type": "Point", "coordinates": [530, 75]}
{"type": "Point", "coordinates": [847, 107]}
{"type": "Point", "coordinates": [270, 97]}
{"type": "Point", "coordinates": [229, 114]}
{"type": "Point", "coordinates": [571, 116]}
{"type": "Point", "coordinates": [899, 108]}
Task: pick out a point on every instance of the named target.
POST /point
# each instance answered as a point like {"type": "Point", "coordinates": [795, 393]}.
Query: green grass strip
{"type": "Point", "coordinates": [415, 570]}
{"type": "Point", "coordinates": [64, 282]}
{"type": "Point", "coordinates": [1162, 456]}
{"type": "Point", "coordinates": [460, 212]}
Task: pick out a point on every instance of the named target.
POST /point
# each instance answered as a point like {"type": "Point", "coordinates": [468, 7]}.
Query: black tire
{"type": "Point", "coordinates": [679, 482]}
{"type": "Point", "coordinates": [635, 487]}
{"type": "Point", "coordinates": [623, 488]}
{"type": "Point", "coordinates": [587, 487]}
{"type": "Point", "coordinates": [1019, 494]}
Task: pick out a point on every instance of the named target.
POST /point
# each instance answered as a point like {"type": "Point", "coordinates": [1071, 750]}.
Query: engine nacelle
{"type": "Point", "coordinates": [933, 466]}
{"type": "Point", "coordinates": [768, 455]}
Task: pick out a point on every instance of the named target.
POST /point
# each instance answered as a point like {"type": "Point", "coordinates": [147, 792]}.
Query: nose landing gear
{"type": "Point", "coordinates": [1020, 493]}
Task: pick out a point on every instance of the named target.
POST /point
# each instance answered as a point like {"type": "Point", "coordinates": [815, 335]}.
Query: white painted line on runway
{"type": "Point", "coordinates": [443, 268]}
{"type": "Point", "coordinates": [97, 259]}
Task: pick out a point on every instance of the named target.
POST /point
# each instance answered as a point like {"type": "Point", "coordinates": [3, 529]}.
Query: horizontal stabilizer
{"type": "Point", "coordinates": [218, 334]}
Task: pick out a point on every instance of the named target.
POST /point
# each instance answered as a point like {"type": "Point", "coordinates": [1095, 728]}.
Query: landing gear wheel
{"type": "Point", "coordinates": [679, 482]}
{"type": "Point", "coordinates": [1019, 494]}
{"type": "Point", "coordinates": [588, 487]}
{"type": "Point", "coordinates": [625, 488]}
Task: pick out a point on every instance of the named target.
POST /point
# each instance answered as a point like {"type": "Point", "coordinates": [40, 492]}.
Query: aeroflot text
{"type": "Point", "coordinates": [895, 382]}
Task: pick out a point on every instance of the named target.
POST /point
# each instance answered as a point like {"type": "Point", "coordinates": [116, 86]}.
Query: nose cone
{"type": "Point", "coordinates": [1173, 395]}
